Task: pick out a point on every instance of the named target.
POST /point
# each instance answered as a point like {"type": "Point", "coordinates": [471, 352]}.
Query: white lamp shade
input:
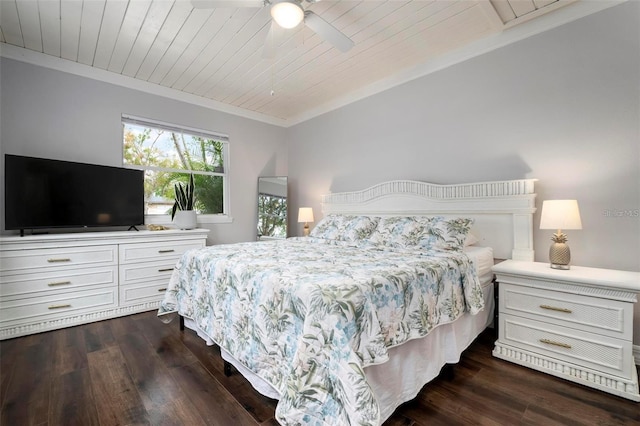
{"type": "Point", "coordinates": [286, 13]}
{"type": "Point", "coordinates": [560, 214]}
{"type": "Point", "coordinates": [305, 214]}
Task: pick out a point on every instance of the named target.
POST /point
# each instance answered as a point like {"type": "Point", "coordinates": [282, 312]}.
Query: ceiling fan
{"type": "Point", "coordinates": [286, 14]}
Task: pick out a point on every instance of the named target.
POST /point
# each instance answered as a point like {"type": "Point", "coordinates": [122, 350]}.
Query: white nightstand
{"type": "Point", "coordinates": [575, 324]}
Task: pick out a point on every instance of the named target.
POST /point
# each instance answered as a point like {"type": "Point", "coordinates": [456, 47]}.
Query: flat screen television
{"type": "Point", "coordinates": [41, 193]}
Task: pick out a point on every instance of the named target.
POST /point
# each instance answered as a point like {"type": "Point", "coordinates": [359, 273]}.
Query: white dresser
{"type": "Point", "coordinates": [576, 324]}
{"type": "Point", "coordinates": [60, 280]}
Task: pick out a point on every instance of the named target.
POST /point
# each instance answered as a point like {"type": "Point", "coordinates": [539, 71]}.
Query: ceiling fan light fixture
{"type": "Point", "coordinates": [287, 13]}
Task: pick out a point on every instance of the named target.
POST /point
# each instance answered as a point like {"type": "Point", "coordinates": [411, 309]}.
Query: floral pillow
{"type": "Point", "coordinates": [345, 228]}
{"type": "Point", "coordinates": [397, 232]}
{"type": "Point", "coordinates": [445, 234]}
{"type": "Point", "coordinates": [327, 228]}
{"type": "Point", "coordinates": [428, 233]}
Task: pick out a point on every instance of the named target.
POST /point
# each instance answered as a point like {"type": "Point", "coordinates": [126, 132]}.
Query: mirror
{"type": "Point", "coordinates": [272, 207]}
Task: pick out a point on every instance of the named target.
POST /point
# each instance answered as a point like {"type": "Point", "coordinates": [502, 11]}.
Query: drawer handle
{"type": "Point", "coordinates": [551, 342]}
{"type": "Point", "coordinates": [59, 283]}
{"type": "Point", "coordinates": [553, 308]}
{"type": "Point", "coordinates": [63, 259]}
{"type": "Point", "coordinates": [166, 251]}
{"type": "Point", "coordinates": [162, 289]}
{"type": "Point", "coordinates": [59, 306]}
{"type": "Point", "coordinates": [165, 270]}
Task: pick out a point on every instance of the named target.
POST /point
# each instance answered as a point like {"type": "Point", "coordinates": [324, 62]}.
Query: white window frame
{"type": "Point", "coordinates": [159, 219]}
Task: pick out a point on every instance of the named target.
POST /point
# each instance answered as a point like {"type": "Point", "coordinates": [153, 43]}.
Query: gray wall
{"type": "Point", "coordinates": [562, 107]}
{"type": "Point", "coordinates": [47, 113]}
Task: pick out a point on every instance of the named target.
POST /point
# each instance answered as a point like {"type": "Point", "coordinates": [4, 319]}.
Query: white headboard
{"type": "Point", "coordinates": [502, 210]}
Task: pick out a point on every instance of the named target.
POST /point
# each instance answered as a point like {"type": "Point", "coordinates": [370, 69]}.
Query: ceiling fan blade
{"type": "Point", "coordinates": [273, 40]}
{"type": "Point", "coordinates": [327, 31]}
{"type": "Point", "coordinates": [221, 4]}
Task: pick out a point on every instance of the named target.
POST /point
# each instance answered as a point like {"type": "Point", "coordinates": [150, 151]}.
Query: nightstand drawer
{"type": "Point", "coordinates": [591, 314]}
{"type": "Point", "coordinates": [600, 353]}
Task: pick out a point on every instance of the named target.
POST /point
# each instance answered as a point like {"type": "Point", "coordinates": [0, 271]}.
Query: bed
{"type": "Point", "coordinates": [347, 324]}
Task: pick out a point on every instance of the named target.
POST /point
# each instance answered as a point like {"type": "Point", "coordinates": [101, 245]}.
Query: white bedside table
{"type": "Point", "coordinates": [575, 324]}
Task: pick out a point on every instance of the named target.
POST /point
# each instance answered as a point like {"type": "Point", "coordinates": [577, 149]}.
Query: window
{"type": "Point", "coordinates": [168, 154]}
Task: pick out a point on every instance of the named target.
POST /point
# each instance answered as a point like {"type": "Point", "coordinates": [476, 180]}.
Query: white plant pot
{"type": "Point", "coordinates": [185, 219]}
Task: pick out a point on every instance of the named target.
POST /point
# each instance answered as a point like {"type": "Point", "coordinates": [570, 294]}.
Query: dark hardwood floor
{"type": "Point", "coordinates": [137, 370]}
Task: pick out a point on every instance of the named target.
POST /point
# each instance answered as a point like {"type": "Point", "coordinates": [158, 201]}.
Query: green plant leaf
{"type": "Point", "coordinates": [183, 197]}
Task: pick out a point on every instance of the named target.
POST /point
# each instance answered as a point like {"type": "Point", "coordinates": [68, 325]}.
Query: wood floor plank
{"type": "Point", "coordinates": [152, 379]}
{"type": "Point", "coordinates": [137, 370]}
{"type": "Point", "coordinates": [562, 400]}
{"type": "Point", "coordinates": [98, 335]}
{"type": "Point", "coordinates": [117, 399]}
{"type": "Point", "coordinates": [72, 400]}
{"type": "Point", "coordinates": [27, 398]}
{"type": "Point", "coordinates": [166, 339]}
{"type": "Point", "coordinates": [471, 398]}
{"type": "Point", "coordinates": [470, 407]}
{"type": "Point", "coordinates": [259, 406]}
{"type": "Point", "coordinates": [123, 325]}
{"type": "Point", "coordinates": [178, 412]}
{"type": "Point", "coordinates": [8, 352]}
{"type": "Point", "coordinates": [213, 402]}
{"type": "Point", "coordinates": [415, 413]}
{"type": "Point", "coordinates": [208, 356]}
{"type": "Point", "coordinates": [69, 351]}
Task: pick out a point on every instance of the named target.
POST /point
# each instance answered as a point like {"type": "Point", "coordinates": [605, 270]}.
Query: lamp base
{"type": "Point", "coordinates": [559, 256]}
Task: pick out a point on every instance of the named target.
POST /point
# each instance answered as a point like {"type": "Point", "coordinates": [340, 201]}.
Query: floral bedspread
{"type": "Point", "coordinates": [308, 316]}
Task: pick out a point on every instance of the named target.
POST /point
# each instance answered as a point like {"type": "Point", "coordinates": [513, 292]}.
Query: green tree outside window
{"type": "Point", "coordinates": [169, 157]}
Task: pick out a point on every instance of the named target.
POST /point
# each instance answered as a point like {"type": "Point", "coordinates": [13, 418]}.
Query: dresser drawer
{"type": "Point", "coordinates": [57, 305]}
{"type": "Point", "coordinates": [609, 317]}
{"type": "Point", "coordinates": [27, 285]}
{"type": "Point", "coordinates": [142, 252]}
{"type": "Point", "coordinates": [133, 272]}
{"type": "Point", "coordinates": [55, 258]}
{"type": "Point", "coordinates": [143, 292]}
{"type": "Point", "coordinates": [600, 353]}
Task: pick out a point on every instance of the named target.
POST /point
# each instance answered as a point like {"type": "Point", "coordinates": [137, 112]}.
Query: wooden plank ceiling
{"type": "Point", "coordinates": [217, 53]}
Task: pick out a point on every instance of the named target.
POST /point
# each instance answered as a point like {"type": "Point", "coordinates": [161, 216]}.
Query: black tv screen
{"type": "Point", "coordinates": [42, 193]}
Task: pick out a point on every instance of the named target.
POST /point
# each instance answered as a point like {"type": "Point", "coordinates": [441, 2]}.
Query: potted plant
{"type": "Point", "coordinates": [182, 213]}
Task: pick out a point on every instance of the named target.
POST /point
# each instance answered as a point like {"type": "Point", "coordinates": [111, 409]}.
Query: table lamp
{"type": "Point", "coordinates": [305, 214]}
{"type": "Point", "coordinates": [559, 215]}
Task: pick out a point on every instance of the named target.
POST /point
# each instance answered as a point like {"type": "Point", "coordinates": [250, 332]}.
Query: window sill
{"type": "Point", "coordinates": [202, 218]}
